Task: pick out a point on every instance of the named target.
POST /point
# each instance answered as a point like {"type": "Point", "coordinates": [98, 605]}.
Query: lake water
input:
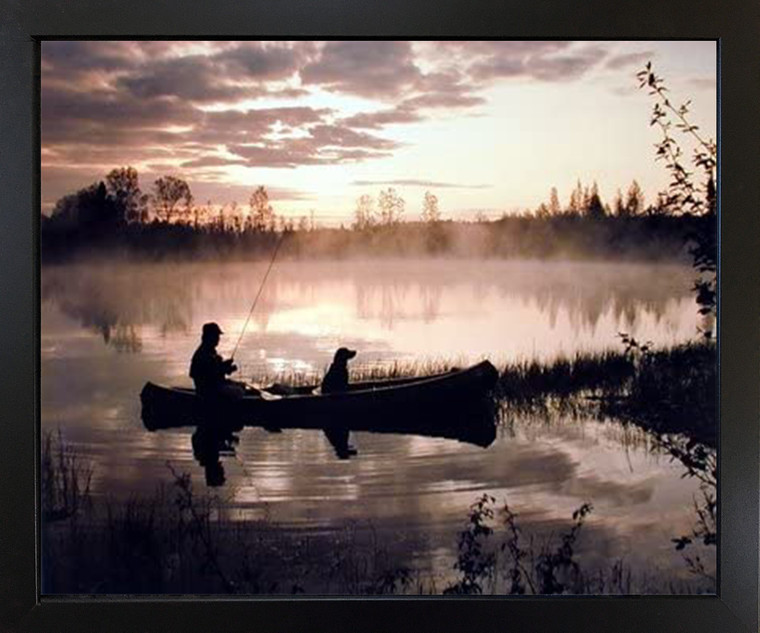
{"type": "Point", "coordinates": [107, 329]}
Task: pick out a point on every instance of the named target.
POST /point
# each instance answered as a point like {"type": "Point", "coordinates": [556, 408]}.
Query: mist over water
{"type": "Point", "coordinates": [106, 330]}
{"type": "Point", "coordinates": [388, 309]}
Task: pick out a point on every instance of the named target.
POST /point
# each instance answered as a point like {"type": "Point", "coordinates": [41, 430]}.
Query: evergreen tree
{"type": "Point", "coordinates": [634, 201]}
{"type": "Point", "coordinates": [554, 206]}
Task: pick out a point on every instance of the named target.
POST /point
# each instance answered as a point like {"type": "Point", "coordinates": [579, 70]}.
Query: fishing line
{"type": "Point", "coordinates": [258, 294]}
{"type": "Point", "coordinates": [249, 477]}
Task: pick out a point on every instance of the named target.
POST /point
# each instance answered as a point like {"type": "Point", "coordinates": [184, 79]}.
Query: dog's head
{"type": "Point", "coordinates": [343, 355]}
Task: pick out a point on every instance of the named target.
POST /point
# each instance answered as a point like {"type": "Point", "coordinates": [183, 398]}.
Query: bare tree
{"type": "Point", "coordinates": [172, 198]}
{"type": "Point", "coordinates": [391, 207]}
{"type": "Point", "coordinates": [364, 214]}
{"type": "Point", "coordinates": [430, 212]}
{"type": "Point", "coordinates": [123, 185]}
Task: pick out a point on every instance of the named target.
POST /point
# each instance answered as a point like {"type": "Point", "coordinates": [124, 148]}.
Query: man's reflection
{"type": "Point", "coordinates": [208, 445]}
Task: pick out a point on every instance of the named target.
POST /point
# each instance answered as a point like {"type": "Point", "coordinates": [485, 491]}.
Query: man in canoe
{"type": "Point", "coordinates": [209, 371]}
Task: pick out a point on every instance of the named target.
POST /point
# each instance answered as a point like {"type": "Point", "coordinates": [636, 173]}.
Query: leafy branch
{"type": "Point", "coordinates": [683, 195]}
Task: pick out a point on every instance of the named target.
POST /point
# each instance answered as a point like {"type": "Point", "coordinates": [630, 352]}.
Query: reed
{"type": "Point", "coordinates": [668, 390]}
{"type": "Point", "coordinates": [65, 479]}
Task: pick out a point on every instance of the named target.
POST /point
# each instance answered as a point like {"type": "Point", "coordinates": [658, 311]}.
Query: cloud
{"type": "Point", "coordinates": [543, 64]}
{"type": "Point", "coordinates": [292, 153]}
{"type": "Point", "coordinates": [432, 91]}
{"type": "Point", "coordinates": [195, 78]}
{"type": "Point", "coordinates": [566, 67]}
{"type": "Point", "coordinates": [624, 91]}
{"type": "Point", "coordinates": [373, 120]}
{"type": "Point", "coordinates": [480, 48]}
{"type": "Point", "coordinates": [211, 161]}
{"type": "Point", "coordinates": [325, 144]}
{"type": "Point", "coordinates": [484, 62]}
{"type": "Point", "coordinates": [224, 193]}
{"type": "Point", "coordinates": [444, 90]}
{"type": "Point", "coordinates": [220, 73]}
{"type": "Point", "coordinates": [76, 57]}
{"type": "Point", "coordinates": [252, 125]}
{"type": "Point", "coordinates": [179, 104]}
{"type": "Point", "coordinates": [704, 83]}
{"type": "Point", "coordinates": [342, 136]}
{"type": "Point", "coordinates": [374, 69]}
{"type": "Point", "coordinates": [412, 182]}
{"type": "Point", "coordinates": [265, 60]}
{"type": "Point", "coordinates": [68, 115]}
{"type": "Point", "coordinates": [444, 100]}
{"type": "Point", "coordinates": [463, 53]}
{"type": "Point", "coordinates": [628, 59]}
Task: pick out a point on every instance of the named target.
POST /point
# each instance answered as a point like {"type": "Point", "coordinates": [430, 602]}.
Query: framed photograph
{"type": "Point", "coordinates": [448, 326]}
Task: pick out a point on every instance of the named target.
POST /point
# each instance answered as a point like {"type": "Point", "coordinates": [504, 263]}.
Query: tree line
{"type": "Point", "coordinates": [115, 215]}
{"type": "Point", "coordinates": [118, 201]}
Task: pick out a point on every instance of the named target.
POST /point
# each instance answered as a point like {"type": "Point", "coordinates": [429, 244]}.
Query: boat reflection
{"type": "Point", "coordinates": [457, 404]}
{"type": "Point", "coordinates": [216, 437]}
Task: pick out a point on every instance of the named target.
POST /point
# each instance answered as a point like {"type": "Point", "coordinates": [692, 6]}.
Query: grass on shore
{"type": "Point", "coordinates": [671, 390]}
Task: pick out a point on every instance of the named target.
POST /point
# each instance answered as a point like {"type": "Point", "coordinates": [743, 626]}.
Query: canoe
{"type": "Point", "coordinates": [454, 404]}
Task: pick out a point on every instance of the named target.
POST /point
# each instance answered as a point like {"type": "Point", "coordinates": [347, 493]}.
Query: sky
{"type": "Point", "coordinates": [487, 126]}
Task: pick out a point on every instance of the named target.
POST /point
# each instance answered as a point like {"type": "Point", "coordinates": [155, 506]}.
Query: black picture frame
{"type": "Point", "coordinates": [733, 23]}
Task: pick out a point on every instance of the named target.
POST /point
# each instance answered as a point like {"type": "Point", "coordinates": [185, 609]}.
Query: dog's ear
{"type": "Point", "coordinates": [343, 354]}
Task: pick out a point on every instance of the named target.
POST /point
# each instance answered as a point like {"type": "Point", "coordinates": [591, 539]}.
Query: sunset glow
{"type": "Point", "coordinates": [487, 126]}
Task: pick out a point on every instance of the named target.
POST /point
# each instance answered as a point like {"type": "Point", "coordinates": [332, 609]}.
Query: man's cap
{"type": "Point", "coordinates": [344, 352]}
{"type": "Point", "coordinates": [211, 328]}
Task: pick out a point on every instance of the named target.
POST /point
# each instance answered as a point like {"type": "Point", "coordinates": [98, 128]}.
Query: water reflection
{"type": "Point", "coordinates": [108, 329]}
{"type": "Point", "coordinates": [461, 409]}
{"type": "Point", "coordinates": [529, 309]}
{"type": "Point", "coordinates": [208, 445]}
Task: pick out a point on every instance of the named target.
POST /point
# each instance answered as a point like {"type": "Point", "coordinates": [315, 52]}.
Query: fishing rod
{"type": "Point", "coordinates": [258, 294]}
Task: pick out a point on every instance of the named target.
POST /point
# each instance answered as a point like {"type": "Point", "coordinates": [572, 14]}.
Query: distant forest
{"type": "Point", "coordinates": [115, 218]}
